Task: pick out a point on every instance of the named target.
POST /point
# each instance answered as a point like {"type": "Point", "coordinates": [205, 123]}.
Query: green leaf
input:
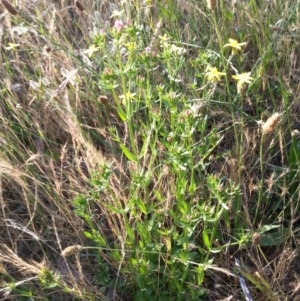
{"type": "Point", "coordinates": [114, 209]}
{"type": "Point", "coordinates": [266, 228]}
{"type": "Point", "coordinates": [141, 205]}
{"type": "Point", "coordinates": [88, 234]}
{"type": "Point", "coordinates": [129, 155]}
{"type": "Point", "coordinates": [122, 115]}
{"type": "Point", "coordinates": [206, 239]}
{"type": "Point", "coordinates": [274, 239]}
{"type": "Point", "coordinates": [294, 156]}
{"type": "Point", "coordinates": [193, 185]}
{"type": "Point", "coordinates": [216, 250]}
{"type": "Point", "coordinates": [200, 275]}
{"type": "Point", "coordinates": [129, 233]}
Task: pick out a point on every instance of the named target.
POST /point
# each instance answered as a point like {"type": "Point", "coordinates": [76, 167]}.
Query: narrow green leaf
{"type": "Point", "coordinates": [274, 239]}
{"type": "Point", "coordinates": [200, 275]}
{"type": "Point", "coordinates": [122, 115]}
{"type": "Point", "coordinates": [114, 209]}
{"type": "Point", "coordinates": [141, 205]}
{"type": "Point", "coordinates": [266, 228]}
{"type": "Point", "coordinates": [88, 234]}
{"type": "Point", "coordinates": [130, 156]}
{"type": "Point", "coordinates": [130, 233]}
{"type": "Point", "coordinates": [206, 239]}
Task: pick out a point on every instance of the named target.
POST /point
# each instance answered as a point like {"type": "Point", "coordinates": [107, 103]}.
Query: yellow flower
{"type": "Point", "coordinates": [91, 50]}
{"type": "Point", "coordinates": [164, 40]}
{"type": "Point", "coordinates": [128, 96]}
{"type": "Point", "coordinates": [12, 46]}
{"type": "Point", "coordinates": [235, 45]}
{"type": "Point", "coordinates": [130, 46]}
{"type": "Point", "coordinates": [242, 79]}
{"type": "Point", "coordinates": [213, 75]}
{"type": "Point", "coordinates": [177, 50]}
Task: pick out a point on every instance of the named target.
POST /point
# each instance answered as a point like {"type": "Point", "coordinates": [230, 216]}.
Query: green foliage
{"type": "Point", "coordinates": [165, 104]}
{"type": "Point", "coordinates": [48, 279]}
{"type": "Point", "coordinates": [293, 163]}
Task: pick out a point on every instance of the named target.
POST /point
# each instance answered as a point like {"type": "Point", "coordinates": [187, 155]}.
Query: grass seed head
{"type": "Point", "coordinates": [71, 250]}
{"type": "Point", "coordinates": [79, 6]}
{"type": "Point", "coordinates": [256, 239]}
{"type": "Point", "coordinates": [103, 99]}
{"type": "Point", "coordinates": [270, 125]}
{"type": "Point", "coordinates": [9, 7]}
{"type": "Point", "coordinates": [295, 133]}
{"type": "Point", "coordinates": [211, 4]}
{"type": "Point", "coordinates": [47, 48]}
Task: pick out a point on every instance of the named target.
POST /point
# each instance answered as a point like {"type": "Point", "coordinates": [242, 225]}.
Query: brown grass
{"type": "Point", "coordinates": [43, 168]}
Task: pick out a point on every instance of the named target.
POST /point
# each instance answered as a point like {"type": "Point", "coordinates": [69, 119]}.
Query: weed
{"type": "Point", "coordinates": [140, 157]}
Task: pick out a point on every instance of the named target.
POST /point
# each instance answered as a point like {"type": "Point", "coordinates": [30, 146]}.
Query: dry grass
{"type": "Point", "coordinates": [54, 139]}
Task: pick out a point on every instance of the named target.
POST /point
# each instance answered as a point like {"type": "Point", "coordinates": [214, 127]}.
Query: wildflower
{"type": "Point", "coordinates": [213, 75]}
{"type": "Point", "coordinates": [148, 50]}
{"type": "Point", "coordinates": [34, 85]}
{"type": "Point", "coordinates": [12, 46]}
{"type": "Point", "coordinates": [93, 48]}
{"type": "Point", "coordinates": [235, 45]}
{"type": "Point", "coordinates": [70, 76]}
{"type": "Point", "coordinates": [119, 25]}
{"type": "Point", "coordinates": [130, 46]}
{"type": "Point", "coordinates": [164, 40]}
{"type": "Point", "coordinates": [102, 32]}
{"type": "Point", "coordinates": [116, 13]}
{"type": "Point", "coordinates": [242, 79]}
{"type": "Point", "coordinates": [177, 50]}
{"type": "Point", "coordinates": [127, 97]}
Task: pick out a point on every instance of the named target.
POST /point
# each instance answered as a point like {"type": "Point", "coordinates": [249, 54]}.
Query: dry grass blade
{"type": "Point", "coordinates": [16, 225]}
{"type": "Point", "coordinates": [10, 257]}
{"type": "Point", "coordinates": [243, 283]}
{"type": "Point", "coordinates": [9, 7]}
{"type": "Point", "coordinates": [69, 77]}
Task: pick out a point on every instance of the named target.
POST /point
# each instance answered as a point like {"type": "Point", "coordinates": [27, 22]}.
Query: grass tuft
{"type": "Point", "coordinates": [140, 155]}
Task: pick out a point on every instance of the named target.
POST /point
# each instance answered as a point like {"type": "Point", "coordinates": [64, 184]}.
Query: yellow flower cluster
{"type": "Point", "coordinates": [214, 75]}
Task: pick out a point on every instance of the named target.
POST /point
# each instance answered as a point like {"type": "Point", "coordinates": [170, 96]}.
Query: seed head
{"type": "Point", "coordinates": [47, 48]}
{"type": "Point", "coordinates": [9, 7]}
{"type": "Point", "coordinates": [71, 250]}
{"type": "Point", "coordinates": [79, 6]}
{"type": "Point", "coordinates": [211, 4]}
{"type": "Point", "coordinates": [270, 125]}
{"type": "Point", "coordinates": [103, 99]}
{"type": "Point", "coordinates": [295, 133]}
{"type": "Point", "coordinates": [256, 239]}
